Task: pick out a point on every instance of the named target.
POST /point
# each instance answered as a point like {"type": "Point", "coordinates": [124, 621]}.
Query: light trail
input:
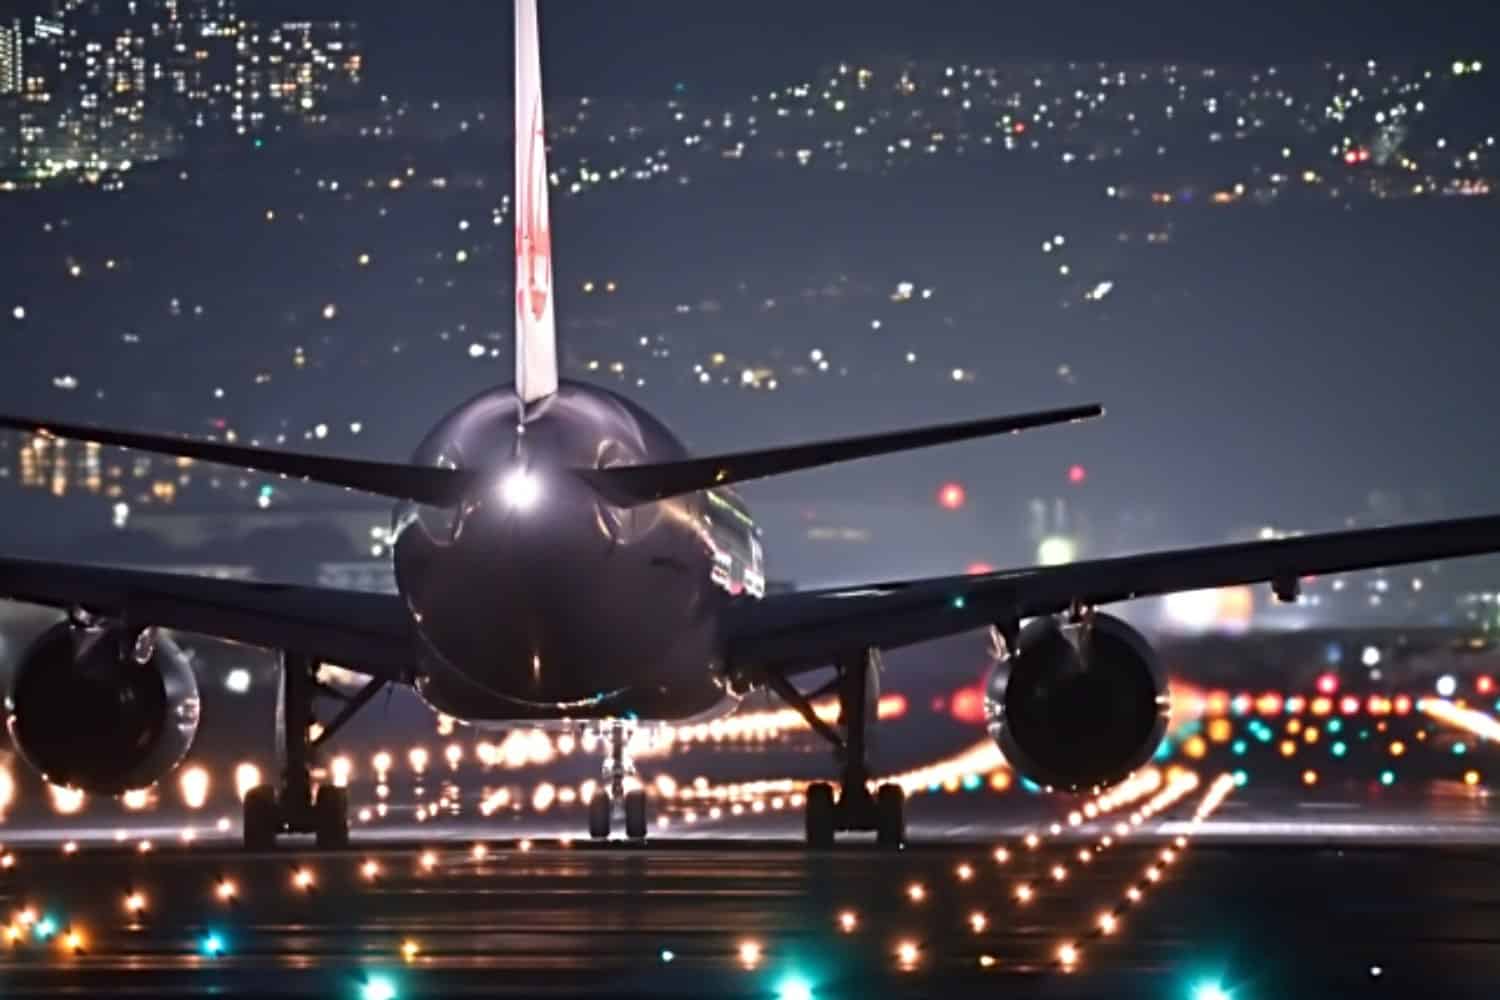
{"type": "Point", "coordinates": [1470, 720]}
{"type": "Point", "coordinates": [1109, 922]}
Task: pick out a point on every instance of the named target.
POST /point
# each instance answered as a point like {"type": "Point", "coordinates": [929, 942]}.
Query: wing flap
{"type": "Point", "coordinates": [630, 485]}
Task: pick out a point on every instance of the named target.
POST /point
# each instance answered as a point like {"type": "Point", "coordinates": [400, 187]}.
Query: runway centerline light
{"type": "Point", "coordinates": [1210, 991]}
{"type": "Point", "coordinates": [794, 988]}
{"type": "Point", "coordinates": [667, 954]}
{"type": "Point", "coordinates": [378, 988]}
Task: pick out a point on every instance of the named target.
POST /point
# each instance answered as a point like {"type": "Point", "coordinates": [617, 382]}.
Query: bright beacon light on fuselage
{"type": "Point", "coordinates": [520, 489]}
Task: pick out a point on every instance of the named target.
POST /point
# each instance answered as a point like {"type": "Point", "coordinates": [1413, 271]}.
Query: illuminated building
{"type": "Point", "coordinates": [195, 45]}
{"type": "Point", "coordinates": [106, 86]}
{"type": "Point", "coordinates": [293, 69]}
{"type": "Point", "coordinates": [11, 58]}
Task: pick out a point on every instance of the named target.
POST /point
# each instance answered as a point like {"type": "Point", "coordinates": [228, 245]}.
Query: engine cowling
{"type": "Point", "coordinates": [103, 708]}
{"type": "Point", "coordinates": [1078, 706]}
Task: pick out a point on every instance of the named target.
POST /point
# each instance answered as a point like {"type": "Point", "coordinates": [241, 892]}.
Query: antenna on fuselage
{"type": "Point", "coordinates": [536, 325]}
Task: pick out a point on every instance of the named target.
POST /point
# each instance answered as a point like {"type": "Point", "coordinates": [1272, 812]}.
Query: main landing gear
{"type": "Point", "coordinates": [618, 768]}
{"type": "Point", "coordinates": [292, 805]}
{"type": "Point", "coordinates": [857, 683]}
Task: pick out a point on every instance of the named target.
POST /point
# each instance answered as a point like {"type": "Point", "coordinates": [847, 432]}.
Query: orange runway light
{"type": "Point", "coordinates": [848, 921]}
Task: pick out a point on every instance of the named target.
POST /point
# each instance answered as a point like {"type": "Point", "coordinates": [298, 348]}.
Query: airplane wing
{"type": "Point", "coordinates": [793, 632]}
{"type": "Point", "coordinates": [368, 633]}
{"type": "Point", "coordinates": [630, 485]}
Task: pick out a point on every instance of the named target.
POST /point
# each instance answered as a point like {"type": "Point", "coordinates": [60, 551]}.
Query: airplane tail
{"type": "Point", "coordinates": [536, 326]}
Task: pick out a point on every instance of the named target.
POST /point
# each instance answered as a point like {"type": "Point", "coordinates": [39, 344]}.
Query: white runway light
{"type": "Point", "coordinates": [520, 489]}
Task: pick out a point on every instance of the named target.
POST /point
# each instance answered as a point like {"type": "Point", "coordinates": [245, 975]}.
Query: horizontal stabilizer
{"type": "Point", "coordinates": [630, 485]}
{"type": "Point", "coordinates": [440, 487]}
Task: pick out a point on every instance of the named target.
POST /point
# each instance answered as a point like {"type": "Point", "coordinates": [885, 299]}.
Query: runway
{"type": "Point", "coordinates": [1266, 855]}
{"type": "Point", "coordinates": [1144, 899]}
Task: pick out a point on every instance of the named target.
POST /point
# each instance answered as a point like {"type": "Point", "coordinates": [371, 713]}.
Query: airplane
{"type": "Point", "coordinates": [561, 560]}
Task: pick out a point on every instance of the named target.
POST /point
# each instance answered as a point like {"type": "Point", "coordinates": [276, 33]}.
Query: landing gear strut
{"type": "Point", "coordinates": [618, 768]}
{"type": "Point", "coordinates": [857, 684]}
{"type": "Point", "coordinates": [292, 805]}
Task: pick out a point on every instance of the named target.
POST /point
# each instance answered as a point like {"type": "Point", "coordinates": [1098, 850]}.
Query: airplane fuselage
{"type": "Point", "coordinates": [536, 599]}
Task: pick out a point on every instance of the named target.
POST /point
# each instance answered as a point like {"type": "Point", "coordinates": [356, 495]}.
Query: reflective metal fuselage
{"type": "Point", "coordinates": [535, 599]}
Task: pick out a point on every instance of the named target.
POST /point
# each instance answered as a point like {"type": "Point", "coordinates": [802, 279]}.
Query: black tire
{"type": "Point", "coordinates": [635, 814]}
{"type": "Point", "coordinates": [890, 816]}
{"type": "Point", "coordinates": [261, 818]}
{"type": "Point", "coordinates": [331, 817]}
{"type": "Point", "coordinates": [599, 816]}
{"type": "Point", "coordinates": [818, 814]}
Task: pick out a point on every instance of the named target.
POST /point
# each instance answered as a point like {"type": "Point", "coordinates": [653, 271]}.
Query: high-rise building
{"type": "Point", "coordinates": [107, 84]}
{"type": "Point", "coordinates": [195, 45]}
{"type": "Point", "coordinates": [12, 58]}
{"type": "Point", "coordinates": [293, 70]}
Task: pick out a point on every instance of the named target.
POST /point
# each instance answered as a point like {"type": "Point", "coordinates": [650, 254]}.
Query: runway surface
{"type": "Point", "coordinates": [744, 910]}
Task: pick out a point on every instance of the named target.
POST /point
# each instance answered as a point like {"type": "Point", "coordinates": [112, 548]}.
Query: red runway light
{"type": "Point", "coordinates": [1328, 684]}
{"type": "Point", "coordinates": [1077, 474]}
{"type": "Point", "coordinates": [951, 496]}
{"type": "Point", "coordinates": [1485, 684]}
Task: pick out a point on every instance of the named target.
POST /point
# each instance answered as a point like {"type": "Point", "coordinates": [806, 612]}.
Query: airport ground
{"type": "Point", "coordinates": [1273, 895]}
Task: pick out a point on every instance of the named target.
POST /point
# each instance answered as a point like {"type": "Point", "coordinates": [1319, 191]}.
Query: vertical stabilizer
{"type": "Point", "coordinates": [536, 327]}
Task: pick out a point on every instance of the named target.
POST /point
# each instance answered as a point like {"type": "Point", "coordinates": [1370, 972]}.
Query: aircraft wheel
{"type": "Point", "coordinates": [818, 814]}
{"type": "Point", "coordinates": [261, 818]}
{"type": "Point", "coordinates": [599, 816]}
{"type": "Point", "coordinates": [890, 816]}
{"type": "Point", "coordinates": [331, 817]}
{"type": "Point", "coordinates": [635, 814]}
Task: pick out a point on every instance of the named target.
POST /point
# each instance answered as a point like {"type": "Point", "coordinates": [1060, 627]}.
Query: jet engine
{"type": "Point", "coordinates": [1077, 706]}
{"type": "Point", "coordinates": [101, 707]}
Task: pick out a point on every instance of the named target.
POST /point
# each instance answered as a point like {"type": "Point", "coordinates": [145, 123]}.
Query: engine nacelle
{"type": "Point", "coordinates": [102, 708]}
{"type": "Point", "coordinates": [1078, 706]}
